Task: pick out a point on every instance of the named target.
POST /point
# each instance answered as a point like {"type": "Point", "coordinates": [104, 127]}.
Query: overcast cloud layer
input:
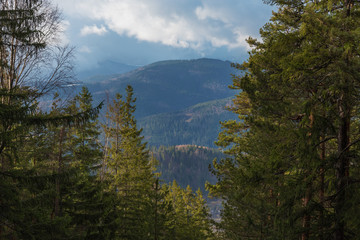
{"type": "Point", "coordinates": [199, 25]}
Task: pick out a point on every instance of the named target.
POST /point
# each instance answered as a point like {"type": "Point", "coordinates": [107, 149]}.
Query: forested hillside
{"type": "Point", "coordinates": [196, 125]}
{"type": "Point", "coordinates": [186, 164]}
{"type": "Point", "coordinates": [288, 159]}
{"type": "Point", "coordinates": [178, 102]}
{"type": "Point", "coordinates": [169, 86]}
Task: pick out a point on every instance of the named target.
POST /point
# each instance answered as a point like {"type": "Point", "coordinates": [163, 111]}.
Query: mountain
{"type": "Point", "coordinates": [196, 125]}
{"type": "Point", "coordinates": [179, 106]}
{"type": "Point", "coordinates": [168, 86]}
{"type": "Point", "coordinates": [178, 101]}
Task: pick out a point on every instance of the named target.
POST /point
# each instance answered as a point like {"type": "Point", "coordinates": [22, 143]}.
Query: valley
{"type": "Point", "coordinates": [178, 103]}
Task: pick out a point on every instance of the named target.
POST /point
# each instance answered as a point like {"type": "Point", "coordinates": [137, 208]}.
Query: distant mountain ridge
{"type": "Point", "coordinates": [104, 68]}
{"type": "Point", "coordinates": [178, 101]}
{"type": "Point", "coordinates": [169, 86]}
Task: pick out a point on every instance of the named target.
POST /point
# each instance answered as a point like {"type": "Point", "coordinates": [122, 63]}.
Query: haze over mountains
{"type": "Point", "coordinates": [104, 68]}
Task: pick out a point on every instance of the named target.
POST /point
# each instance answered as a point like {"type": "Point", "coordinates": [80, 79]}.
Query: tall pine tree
{"type": "Point", "coordinates": [129, 169]}
{"type": "Point", "coordinates": [293, 168]}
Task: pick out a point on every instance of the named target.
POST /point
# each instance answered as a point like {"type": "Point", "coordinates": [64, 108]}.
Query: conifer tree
{"type": "Point", "coordinates": [42, 197]}
{"type": "Point", "coordinates": [298, 108]}
{"type": "Point", "coordinates": [57, 196]}
{"type": "Point", "coordinates": [129, 169]}
{"type": "Point", "coordinates": [84, 140]}
{"type": "Point", "coordinates": [190, 218]}
{"type": "Point", "coordinates": [85, 202]}
{"type": "Point", "coordinates": [162, 215]}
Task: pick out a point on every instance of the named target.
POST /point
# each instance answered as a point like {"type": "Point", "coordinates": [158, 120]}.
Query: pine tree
{"type": "Point", "coordinates": [85, 203]}
{"type": "Point", "coordinates": [190, 218]}
{"type": "Point", "coordinates": [162, 215]}
{"type": "Point", "coordinates": [36, 184]}
{"type": "Point", "coordinates": [57, 197]}
{"type": "Point", "coordinates": [129, 169]}
{"type": "Point", "coordinates": [298, 103]}
{"type": "Point", "coordinates": [84, 141]}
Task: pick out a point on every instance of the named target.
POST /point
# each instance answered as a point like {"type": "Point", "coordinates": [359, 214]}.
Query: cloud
{"type": "Point", "coordinates": [195, 24]}
{"type": "Point", "coordinates": [208, 12]}
{"type": "Point", "coordinates": [87, 30]}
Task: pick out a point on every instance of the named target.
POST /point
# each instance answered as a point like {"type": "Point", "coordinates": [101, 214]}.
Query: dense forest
{"type": "Point", "coordinates": [186, 164]}
{"type": "Point", "coordinates": [287, 168]}
{"type": "Point", "coordinates": [58, 179]}
{"type": "Point", "coordinates": [196, 125]}
{"type": "Point", "coordinates": [293, 169]}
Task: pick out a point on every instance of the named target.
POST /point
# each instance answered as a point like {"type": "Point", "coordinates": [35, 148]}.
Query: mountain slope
{"type": "Point", "coordinates": [187, 164]}
{"type": "Point", "coordinates": [196, 125]}
{"type": "Point", "coordinates": [169, 86]}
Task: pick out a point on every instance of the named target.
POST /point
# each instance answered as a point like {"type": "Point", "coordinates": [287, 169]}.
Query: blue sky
{"type": "Point", "coordinates": [139, 32]}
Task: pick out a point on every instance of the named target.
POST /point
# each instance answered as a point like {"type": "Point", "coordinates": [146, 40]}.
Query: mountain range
{"type": "Point", "coordinates": [168, 86]}
{"type": "Point", "coordinates": [178, 101]}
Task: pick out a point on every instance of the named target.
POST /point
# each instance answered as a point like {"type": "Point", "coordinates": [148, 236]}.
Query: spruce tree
{"type": "Point", "coordinates": [190, 218]}
{"type": "Point", "coordinates": [86, 203]}
{"type": "Point", "coordinates": [297, 109]}
{"type": "Point", "coordinates": [57, 196]}
{"type": "Point", "coordinates": [129, 169]}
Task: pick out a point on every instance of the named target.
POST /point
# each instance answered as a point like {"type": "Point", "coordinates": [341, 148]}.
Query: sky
{"type": "Point", "coordinates": [139, 32]}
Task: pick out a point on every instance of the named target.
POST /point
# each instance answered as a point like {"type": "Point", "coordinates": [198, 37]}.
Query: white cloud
{"type": "Point", "coordinates": [207, 12]}
{"type": "Point", "coordinates": [195, 24]}
{"type": "Point", "coordinates": [240, 39]}
{"type": "Point", "coordinates": [87, 30]}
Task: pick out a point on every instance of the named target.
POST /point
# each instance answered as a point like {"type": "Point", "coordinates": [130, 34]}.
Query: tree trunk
{"type": "Point", "coordinates": [322, 191]}
{"type": "Point", "coordinates": [57, 201]}
{"type": "Point", "coordinates": [156, 210]}
{"type": "Point", "coordinates": [306, 218]}
{"type": "Point", "coordinates": [342, 164]}
{"type": "Point", "coordinates": [308, 194]}
{"type": "Point", "coordinates": [342, 172]}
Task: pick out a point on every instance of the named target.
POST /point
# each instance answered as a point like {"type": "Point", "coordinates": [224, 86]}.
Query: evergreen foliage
{"type": "Point", "coordinates": [196, 125]}
{"type": "Point", "coordinates": [190, 218]}
{"type": "Point", "coordinates": [293, 168]}
{"type": "Point", "coordinates": [129, 168]}
{"type": "Point", "coordinates": [143, 209]}
{"type": "Point", "coordinates": [186, 164]}
{"type": "Point", "coordinates": [54, 181]}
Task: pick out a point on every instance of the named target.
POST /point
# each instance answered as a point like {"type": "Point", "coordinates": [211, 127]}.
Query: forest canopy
{"type": "Point", "coordinates": [289, 166]}
{"type": "Point", "coordinates": [58, 180]}
{"type": "Point", "coordinates": [294, 166]}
